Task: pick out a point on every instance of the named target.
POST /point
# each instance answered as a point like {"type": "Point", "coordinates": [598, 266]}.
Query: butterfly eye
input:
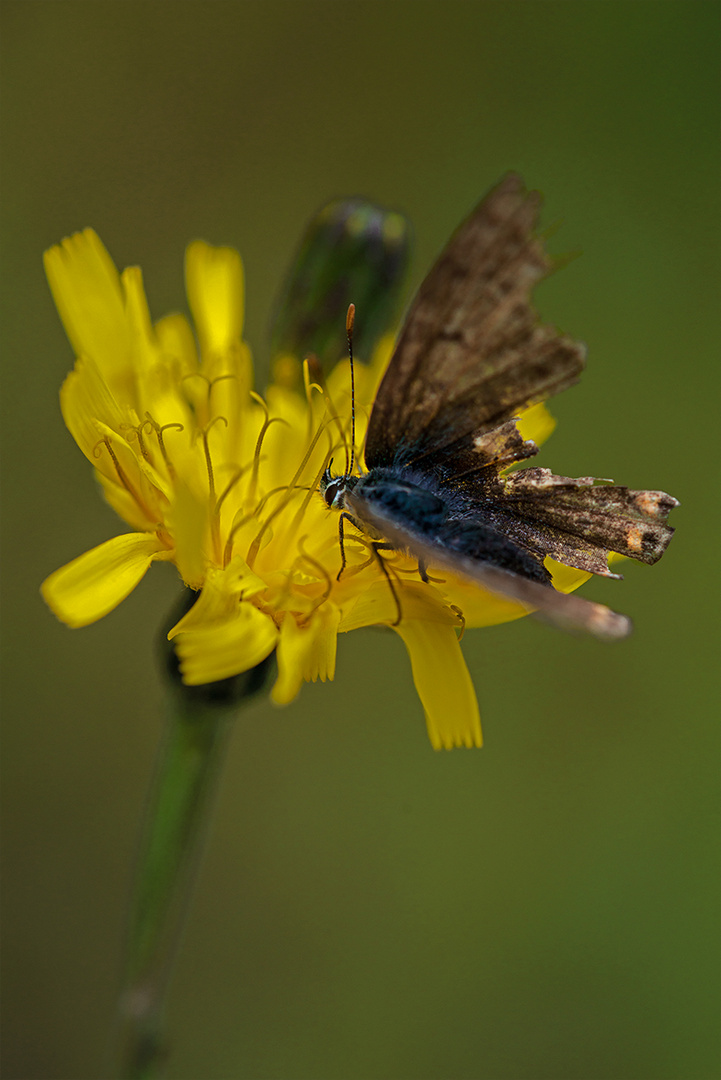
{"type": "Point", "coordinates": [327, 482]}
{"type": "Point", "coordinates": [329, 490]}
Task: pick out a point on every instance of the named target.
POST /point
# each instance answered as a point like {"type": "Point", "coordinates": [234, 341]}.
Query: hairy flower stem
{"type": "Point", "coordinates": [176, 821]}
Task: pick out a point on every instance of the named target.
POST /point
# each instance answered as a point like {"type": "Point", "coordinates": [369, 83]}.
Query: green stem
{"type": "Point", "coordinates": [176, 819]}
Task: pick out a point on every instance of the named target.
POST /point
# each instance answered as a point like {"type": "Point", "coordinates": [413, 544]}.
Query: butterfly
{"type": "Point", "coordinates": [471, 357]}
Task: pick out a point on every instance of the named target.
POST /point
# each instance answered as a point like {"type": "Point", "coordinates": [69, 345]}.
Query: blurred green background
{"type": "Point", "coordinates": [546, 907]}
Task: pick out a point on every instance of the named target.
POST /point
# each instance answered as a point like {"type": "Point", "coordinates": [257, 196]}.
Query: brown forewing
{"type": "Point", "coordinates": [472, 352]}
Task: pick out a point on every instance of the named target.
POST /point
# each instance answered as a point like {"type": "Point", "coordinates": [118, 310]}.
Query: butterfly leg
{"type": "Point", "coordinates": [377, 548]}
{"type": "Point", "coordinates": [422, 564]}
{"type": "Point", "coordinates": [343, 516]}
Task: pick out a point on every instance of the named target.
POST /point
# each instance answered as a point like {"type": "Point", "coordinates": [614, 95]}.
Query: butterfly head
{"type": "Point", "coordinates": [333, 488]}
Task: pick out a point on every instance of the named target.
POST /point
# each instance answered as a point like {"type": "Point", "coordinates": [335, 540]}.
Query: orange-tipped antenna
{"type": "Point", "coordinates": [349, 320]}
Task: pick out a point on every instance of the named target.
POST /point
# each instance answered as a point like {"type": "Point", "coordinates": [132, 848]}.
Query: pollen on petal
{"type": "Point", "coordinates": [93, 584]}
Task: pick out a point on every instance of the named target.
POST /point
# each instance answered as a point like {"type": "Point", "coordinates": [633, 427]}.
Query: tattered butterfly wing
{"type": "Point", "coordinates": [471, 356]}
{"type": "Point", "coordinates": [472, 352]}
{"type": "Point", "coordinates": [579, 521]}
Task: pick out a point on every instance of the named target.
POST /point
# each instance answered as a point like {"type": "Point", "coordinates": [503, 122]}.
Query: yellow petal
{"type": "Point", "coordinates": [88, 295]}
{"type": "Point", "coordinates": [321, 659]}
{"type": "Point", "coordinates": [138, 315]}
{"type": "Point", "coordinates": [84, 398]}
{"type": "Point", "coordinates": [176, 339]}
{"type": "Point", "coordinates": [227, 647]}
{"type": "Point", "coordinates": [443, 684]}
{"type": "Point", "coordinates": [96, 582]}
{"type": "Point", "coordinates": [188, 522]}
{"type": "Point", "coordinates": [479, 606]}
{"type": "Point", "coordinates": [222, 592]}
{"type": "Point", "coordinates": [566, 578]}
{"type": "Point", "coordinates": [375, 604]}
{"type": "Point", "coordinates": [214, 283]}
{"type": "Point", "coordinates": [536, 423]}
{"type": "Point", "coordinates": [123, 503]}
{"type": "Point", "coordinates": [295, 647]}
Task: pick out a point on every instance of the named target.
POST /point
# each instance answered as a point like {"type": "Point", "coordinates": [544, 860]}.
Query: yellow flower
{"type": "Point", "coordinates": [224, 484]}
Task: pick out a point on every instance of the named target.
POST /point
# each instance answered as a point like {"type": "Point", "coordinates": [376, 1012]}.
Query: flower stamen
{"type": "Point", "coordinates": [228, 552]}
{"type": "Point", "coordinates": [259, 443]}
{"type": "Point", "coordinates": [122, 476]}
{"type": "Point", "coordinates": [217, 379]}
{"type": "Point", "coordinates": [320, 569]}
{"type": "Point", "coordinates": [457, 611]}
{"type": "Point", "coordinates": [208, 459]}
{"type": "Point", "coordinates": [214, 516]}
{"type": "Point", "coordinates": [195, 401]}
{"type": "Point", "coordinates": [255, 546]}
{"type": "Point", "coordinates": [312, 490]}
{"type": "Point", "coordinates": [137, 430]}
{"type": "Point", "coordinates": [159, 431]}
{"type": "Point", "coordinates": [239, 522]}
{"type": "Point", "coordinates": [238, 473]}
{"type": "Point", "coordinates": [309, 386]}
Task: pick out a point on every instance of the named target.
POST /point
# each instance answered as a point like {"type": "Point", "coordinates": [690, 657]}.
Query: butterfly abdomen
{"type": "Point", "coordinates": [417, 505]}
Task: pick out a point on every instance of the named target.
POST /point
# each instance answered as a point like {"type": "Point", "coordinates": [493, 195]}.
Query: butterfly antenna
{"type": "Point", "coordinates": [349, 320]}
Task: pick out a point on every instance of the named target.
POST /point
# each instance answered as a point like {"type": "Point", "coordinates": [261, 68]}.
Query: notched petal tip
{"type": "Point", "coordinates": [89, 297]}
{"type": "Point", "coordinates": [443, 683]}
